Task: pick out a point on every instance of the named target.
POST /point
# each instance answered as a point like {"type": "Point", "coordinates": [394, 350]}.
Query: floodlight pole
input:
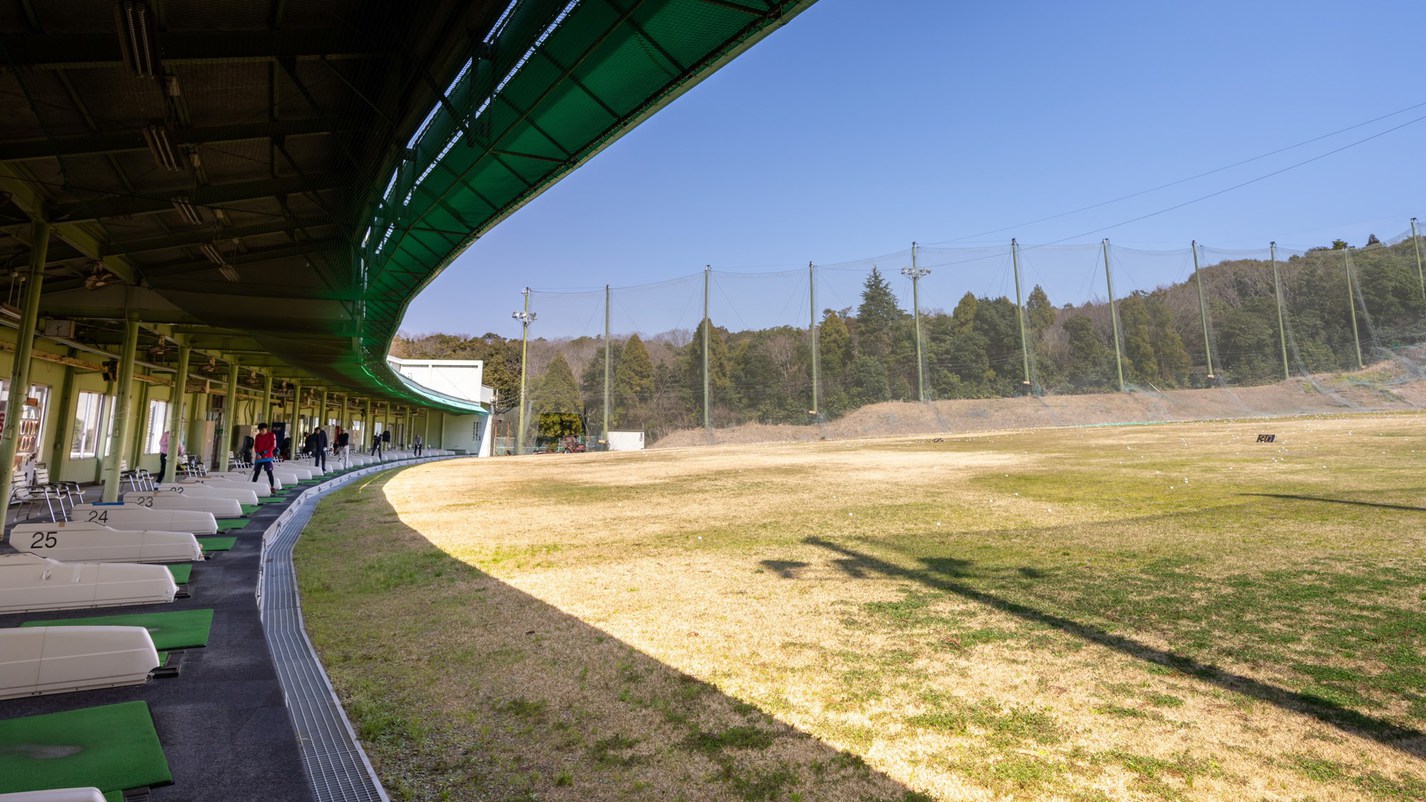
{"type": "Point", "coordinates": [1277, 296]}
{"type": "Point", "coordinates": [1352, 305]}
{"type": "Point", "coordinates": [916, 273]}
{"type": "Point", "coordinates": [1202, 310]}
{"type": "Point", "coordinates": [606, 363]}
{"type": "Point", "coordinates": [1416, 243]}
{"type": "Point", "coordinates": [526, 318]}
{"type": "Point", "coordinates": [812, 328]}
{"type": "Point", "coordinates": [1113, 317]}
{"type": "Point", "coordinates": [1020, 313]}
{"type": "Point", "coordinates": [707, 394]}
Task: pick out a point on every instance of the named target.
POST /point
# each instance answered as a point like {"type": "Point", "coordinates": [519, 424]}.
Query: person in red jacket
{"type": "Point", "coordinates": [264, 452]}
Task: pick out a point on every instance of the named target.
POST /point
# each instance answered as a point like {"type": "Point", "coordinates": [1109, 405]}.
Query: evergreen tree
{"type": "Point", "coordinates": [633, 383]}
{"type": "Point", "coordinates": [556, 402]}
{"type": "Point", "coordinates": [877, 317]}
{"type": "Point", "coordinates": [719, 378]}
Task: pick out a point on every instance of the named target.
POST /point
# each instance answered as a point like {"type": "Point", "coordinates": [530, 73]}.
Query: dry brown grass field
{"type": "Point", "coordinates": [1139, 612]}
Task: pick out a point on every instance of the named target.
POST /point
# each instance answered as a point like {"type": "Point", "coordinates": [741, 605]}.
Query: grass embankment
{"type": "Point", "coordinates": [1128, 613]}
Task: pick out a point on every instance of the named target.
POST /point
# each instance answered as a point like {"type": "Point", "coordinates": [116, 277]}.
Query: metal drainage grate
{"type": "Point", "coordinates": [336, 765]}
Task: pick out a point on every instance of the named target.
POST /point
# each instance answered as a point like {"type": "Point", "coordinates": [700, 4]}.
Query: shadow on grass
{"type": "Point", "coordinates": [942, 574]}
{"type": "Point", "coordinates": [464, 687]}
{"type": "Point", "coordinates": [1291, 497]}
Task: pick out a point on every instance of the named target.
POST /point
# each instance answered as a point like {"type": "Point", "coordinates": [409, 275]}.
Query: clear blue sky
{"type": "Point", "coordinates": [866, 124]}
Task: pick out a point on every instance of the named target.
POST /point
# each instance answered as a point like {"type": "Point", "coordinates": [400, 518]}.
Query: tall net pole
{"type": "Point", "coordinates": [1416, 243]}
{"type": "Point", "coordinates": [1277, 295]}
{"type": "Point", "coordinates": [707, 395]}
{"type": "Point", "coordinates": [1113, 317]}
{"type": "Point", "coordinates": [812, 329]}
{"type": "Point", "coordinates": [1020, 313]}
{"type": "Point", "coordinates": [525, 318]}
{"type": "Point", "coordinates": [606, 363]}
{"type": "Point", "coordinates": [1352, 305]}
{"type": "Point", "coordinates": [916, 273]}
{"type": "Point", "coordinates": [1202, 310]}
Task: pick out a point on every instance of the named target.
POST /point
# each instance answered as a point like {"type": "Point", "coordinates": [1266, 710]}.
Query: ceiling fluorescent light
{"type": "Point", "coordinates": [187, 210]}
{"type": "Point", "coordinates": [161, 147]}
{"type": "Point", "coordinates": [138, 37]}
{"type": "Point", "coordinates": [228, 272]}
{"type": "Point", "coordinates": [212, 253]}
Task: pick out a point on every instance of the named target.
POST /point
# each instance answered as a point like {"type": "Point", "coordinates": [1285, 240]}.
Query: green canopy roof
{"type": "Point", "coordinates": [277, 180]}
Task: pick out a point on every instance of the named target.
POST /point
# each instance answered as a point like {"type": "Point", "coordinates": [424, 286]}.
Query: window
{"type": "Point", "coordinates": [158, 421]}
{"type": "Point", "coordinates": [88, 413]}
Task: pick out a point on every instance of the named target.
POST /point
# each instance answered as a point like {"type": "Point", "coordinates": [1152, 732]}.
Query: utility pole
{"type": "Point", "coordinates": [812, 328]}
{"type": "Point", "coordinates": [1202, 311]}
{"type": "Point", "coordinates": [916, 273]}
{"type": "Point", "coordinates": [707, 395]}
{"type": "Point", "coordinates": [1020, 313]}
{"type": "Point", "coordinates": [1277, 295]}
{"type": "Point", "coordinates": [1113, 317]}
{"type": "Point", "coordinates": [606, 363]}
{"type": "Point", "coordinates": [1352, 305]}
{"type": "Point", "coordinates": [525, 317]}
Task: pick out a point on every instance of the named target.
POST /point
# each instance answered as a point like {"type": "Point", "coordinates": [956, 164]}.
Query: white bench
{"type": "Point", "coordinates": [132, 516]}
{"type": "Point", "coordinates": [39, 660]}
{"type": "Point", "coordinates": [29, 582]}
{"type": "Point", "coordinates": [243, 495]}
{"type": "Point", "coordinates": [80, 541]}
{"type": "Point", "coordinates": [228, 480]}
{"type": "Point", "coordinates": [217, 507]}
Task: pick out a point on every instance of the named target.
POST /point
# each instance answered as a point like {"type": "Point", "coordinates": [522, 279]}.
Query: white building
{"type": "Point", "coordinates": [460, 379]}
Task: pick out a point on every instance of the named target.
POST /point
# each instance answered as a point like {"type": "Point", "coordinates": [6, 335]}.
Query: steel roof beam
{"type": "Point", "coordinates": [212, 195]}
{"type": "Point", "coordinates": [46, 148]}
{"type": "Point", "coordinates": [101, 50]}
{"type": "Point", "coordinates": [201, 236]}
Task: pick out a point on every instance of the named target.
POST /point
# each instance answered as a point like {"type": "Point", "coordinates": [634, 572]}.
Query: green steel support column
{"type": "Point", "coordinates": [916, 273]}
{"type": "Point", "coordinates": [64, 421]}
{"type": "Point", "coordinates": [24, 346]}
{"type": "Point", "coordinates": [406, 438]}
{"type": "Point", "coordinates": [265, 411]}
{"type": "Point", "coordinates": [294, 428]}
{"type": "Point", "coordinates": [606, 363]}
{"type": "Point", "coordinates": [1277, 296]}
{"type": "Point", "coordinates": [707, 395]}
{"type": "Point", "coordinates": [1113, 318]}
{"type": "Point", "coordinates": [812, 329]}
{"type": "Point", "coordinates": [175, 410]}
{"type": "Point", "coordinates": [1416, 243]}
{"type": "Point", "coordinates": [1202, 311]}
{"type": "Point", "coordinates": [367, 429]}
{"type": "Point", "coordinates": [321, 407]}
{"type": "Point", "coordinates": [1020, 313]}
{"type": "Point", "coordinates": [136, 438]}
{"type": "Point", "coordinates": [123, 409]}
{"type": "Point", "coordinates": [1352, 305]}
{"type": "Point", "coordinates": [345, 422]}
{"type": "Point", "coordinates": [230, 416]}
{"type": "Point", "coordinates": [524, 319]}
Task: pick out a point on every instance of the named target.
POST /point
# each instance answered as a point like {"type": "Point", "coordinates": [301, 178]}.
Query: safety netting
{"type": "Point", "coordinates": [1336, 327]}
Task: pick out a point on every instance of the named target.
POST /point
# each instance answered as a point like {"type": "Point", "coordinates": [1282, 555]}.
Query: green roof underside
{"type": "Point", "coordinates": [340, 153]}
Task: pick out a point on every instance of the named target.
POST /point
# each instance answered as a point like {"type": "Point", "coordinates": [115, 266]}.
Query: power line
{"type": "Point", "coordinates": [1214, 171]}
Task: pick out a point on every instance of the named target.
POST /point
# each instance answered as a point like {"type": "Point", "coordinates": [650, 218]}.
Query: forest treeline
{"type": "Point", "coordinates": [867, 353]}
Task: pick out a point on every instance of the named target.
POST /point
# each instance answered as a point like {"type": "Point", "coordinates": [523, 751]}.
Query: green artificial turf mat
{"type": "Point", "coordinates": [181, 572]}
{"type": "Point", "coordinates": [248, 509]}
{"type": "Point", "coordinates": [275, 499]}
{"type": "Point", "coordinates": [229, 524]}
{"type": "Point", "coordinates": [111, 748]}
{"type": "Point", "coordinates": [174, 630]}
{"type": "Point", "coordinates": [210, 544]}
